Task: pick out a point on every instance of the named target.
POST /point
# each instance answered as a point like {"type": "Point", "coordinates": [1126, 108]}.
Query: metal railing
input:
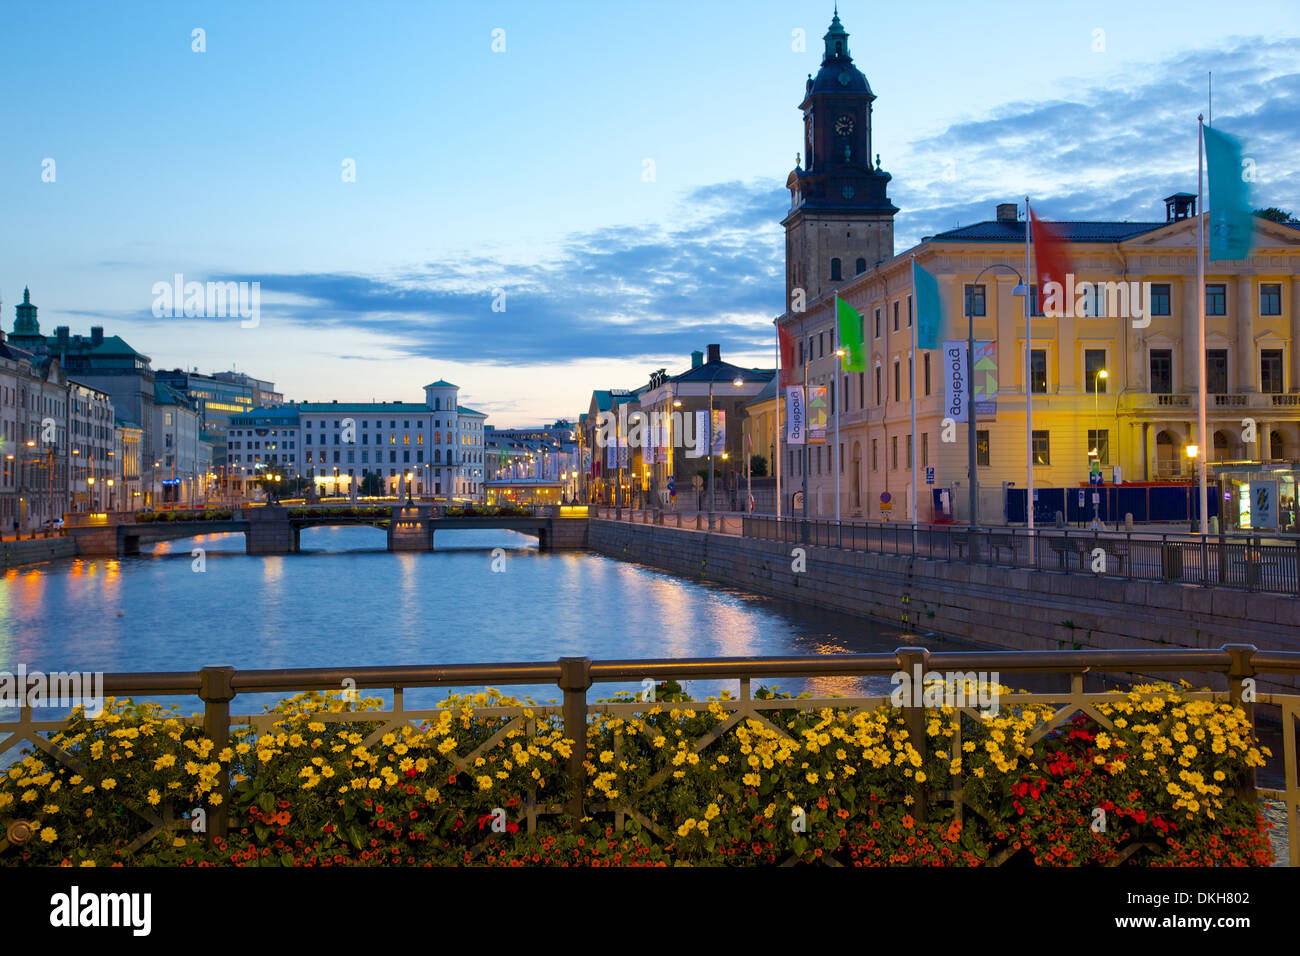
{"type": "Point", "coordinates": [218, 687]}
{"type": "Point", "coordinates": [1247, 562]}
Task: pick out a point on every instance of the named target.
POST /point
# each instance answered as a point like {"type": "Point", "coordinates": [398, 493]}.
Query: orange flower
{"type": "Point", "coordinates": [908, 821]}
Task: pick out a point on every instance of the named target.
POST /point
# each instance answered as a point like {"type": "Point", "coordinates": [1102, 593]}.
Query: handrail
{"type": "Point", "coordinates": [217, 687]}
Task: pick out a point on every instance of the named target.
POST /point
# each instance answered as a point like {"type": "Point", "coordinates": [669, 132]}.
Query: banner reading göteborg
{"type": "Point", "coordinates": [954, 379]}
{"type": "Point", "coordinates": [794, 415]}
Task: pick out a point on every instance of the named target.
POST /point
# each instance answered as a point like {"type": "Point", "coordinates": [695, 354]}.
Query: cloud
{"type": "Point", "coordinates": [1110, 151]}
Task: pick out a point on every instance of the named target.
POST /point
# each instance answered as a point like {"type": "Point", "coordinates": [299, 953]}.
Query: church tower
{"type": "Point", "coordinates": [841, 221]}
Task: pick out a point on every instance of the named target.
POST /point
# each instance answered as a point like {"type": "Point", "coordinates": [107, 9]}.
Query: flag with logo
{"type": "Point", "coordinates": [1231, 221]}
{"type": "Point", "coordinates": [850, 322]}
{"type": "Point", "coordinates": [1051, 263]}
{"type": "Point", "coordinates": [929, 314]}
{"type": "Point", "coordinates": [786, 341]}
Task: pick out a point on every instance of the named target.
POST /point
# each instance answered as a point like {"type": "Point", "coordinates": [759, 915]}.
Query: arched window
{"type": "Point", "coordinates": [862, 266]}
{"type": "Point", "coordinates": [835, 270]}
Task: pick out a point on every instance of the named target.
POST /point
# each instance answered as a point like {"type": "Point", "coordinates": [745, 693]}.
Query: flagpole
{"type": "Point", "coordinates": [779, 434]}
{"type": "Point", "coordinates": [1202, 457]}
{"type": "Point", "coordinates": [835, 399]}
{"type": "Point", "coordinates": [1029, 381]}
{"type": "Point", "coordinates": [916, 326]}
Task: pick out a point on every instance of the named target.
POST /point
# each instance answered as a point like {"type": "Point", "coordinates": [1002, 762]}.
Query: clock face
{"type": "Point", "coordinates": [844, 77]}
{"type": "Point", "coordinates": [844, 125]}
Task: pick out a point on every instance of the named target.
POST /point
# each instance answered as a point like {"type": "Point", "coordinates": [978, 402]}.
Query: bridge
{"type": "Point", "coordinates": [275, 529]}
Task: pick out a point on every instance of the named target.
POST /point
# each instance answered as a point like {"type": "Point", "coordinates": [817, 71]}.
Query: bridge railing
{"type": "Point", "coordinates": [1237, 665]}
{"type": "Point", "coordinates": [1250, 562]}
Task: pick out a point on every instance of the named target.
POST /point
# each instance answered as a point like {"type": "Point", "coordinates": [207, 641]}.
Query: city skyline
{"type": "Point", "coordinates": [606, 275]}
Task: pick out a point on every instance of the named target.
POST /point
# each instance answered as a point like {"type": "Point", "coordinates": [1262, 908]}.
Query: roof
{"type": "Point", "coordinates": [1014, 232]}
{"type": "Point", "coordinates": [164, 394]}
{"type": "Point", "coordinates": [723, 372]}
{"type": "Point", "coordinates": [441, 383]}
{"type": "Point", "coordinates": [768, 394]}
{"type": "Point", "coordinates": [466, 410]}
{"type": "Point", "coordinates": [369, 408]}
{"type": "Point", "coordinates": [265, 412]}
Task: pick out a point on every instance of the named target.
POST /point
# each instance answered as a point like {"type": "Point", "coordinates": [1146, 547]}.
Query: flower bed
{"type": "Point", "coordinates": [361, 511]}
{"type": "Point", "coordinates": [834, 784]}
{"type": "Point", "coordinates": [202, 514]}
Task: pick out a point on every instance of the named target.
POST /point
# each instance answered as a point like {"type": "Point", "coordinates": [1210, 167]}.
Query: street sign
{"type": "Point", "coordinates": [1080, 497]}
{"type": "Point", "coordinates": [1096, 498]}
{"type": "Point", "coordinates": [885, 498]}
{"type": "Point", "coordinates": [929, 474]}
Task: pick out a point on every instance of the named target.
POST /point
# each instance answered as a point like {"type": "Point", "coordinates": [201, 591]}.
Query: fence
{"type": "Point", "coordinates": [1247, 562]}
{"type": "Point", "coordinates": [217, 687]}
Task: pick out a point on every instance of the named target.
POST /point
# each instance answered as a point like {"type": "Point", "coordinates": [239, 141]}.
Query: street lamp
{"type": "Point", "coordinates": [738, 382]}
{"type": "Point", "coordinates": [1097, 379]}
{"type": "Point", "coordinates": [1020, 289]}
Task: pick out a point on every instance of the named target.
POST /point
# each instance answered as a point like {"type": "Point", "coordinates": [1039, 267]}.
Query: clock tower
{"type": "Point", "coordinates": [841, 221]}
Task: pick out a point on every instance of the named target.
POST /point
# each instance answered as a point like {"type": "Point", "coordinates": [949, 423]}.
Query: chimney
{"type": "Point", "coordinates": [1008, 212]}
{"type": "Point", "coordinates": [61, 333]}
{"type": "Point", "coordinates": [715, 354]}
{"type": "Point", "coordinates": [697, 359]}
{"type": "Point", "coordinates": [96, 335]}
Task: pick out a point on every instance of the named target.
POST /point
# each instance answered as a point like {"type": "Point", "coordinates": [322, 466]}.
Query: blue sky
{"type": "Point", "coordinates": [522, 170]}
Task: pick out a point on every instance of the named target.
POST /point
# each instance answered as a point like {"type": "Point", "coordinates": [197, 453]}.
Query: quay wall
{"type": "Point", "coordinates": [1013, 608]}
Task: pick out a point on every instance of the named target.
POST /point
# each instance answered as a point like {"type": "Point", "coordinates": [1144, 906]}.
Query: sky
{"type": "Point", "coordinates": [551, 198]}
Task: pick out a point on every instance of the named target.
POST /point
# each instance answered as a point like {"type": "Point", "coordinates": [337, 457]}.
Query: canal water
{"type": "Point", "coordinates": [347, 601]}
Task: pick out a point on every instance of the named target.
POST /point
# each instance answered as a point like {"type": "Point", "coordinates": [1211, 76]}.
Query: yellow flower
{"type": "Point", "coordinates": [109, 783]}
{"type": "Point", "coordinates": [154, 797]}
{"type": "Point", "coordinates": [49, 835]}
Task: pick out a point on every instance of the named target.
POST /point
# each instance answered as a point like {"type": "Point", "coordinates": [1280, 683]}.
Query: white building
{"type": "Point", "coordinates": [436, 445]}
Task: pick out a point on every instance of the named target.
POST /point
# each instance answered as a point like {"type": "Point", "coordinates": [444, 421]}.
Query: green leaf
{"type": "Point", "coordinates": [266, 801]}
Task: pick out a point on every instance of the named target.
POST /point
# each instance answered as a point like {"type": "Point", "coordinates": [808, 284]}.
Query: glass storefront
{"type": "Point", "coordinates": [1258, 497]}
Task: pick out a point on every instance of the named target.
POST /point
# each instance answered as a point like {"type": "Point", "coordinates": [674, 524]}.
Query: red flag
{"type": "Point", "coordinates": [1051, 258]}
{"type": "Point", "coordinates": [788, 377]}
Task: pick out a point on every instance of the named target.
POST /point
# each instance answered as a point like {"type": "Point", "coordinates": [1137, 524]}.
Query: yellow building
{"type": "Point", "coordinates": [1120, 386]}
{"type": "Point", "coordinates": [1112, 384]}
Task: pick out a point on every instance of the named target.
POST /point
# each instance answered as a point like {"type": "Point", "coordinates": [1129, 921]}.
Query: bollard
{"type": "Point", "coordinates": [679, 519]}
{"type": "Point", "coordinates": [1128, 521]}
{"type": "Point", "coordinates": [1060, 519]}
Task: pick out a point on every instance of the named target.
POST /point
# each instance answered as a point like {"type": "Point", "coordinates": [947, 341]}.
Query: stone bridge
{"type": "Point", "coordinates": [273, 529]}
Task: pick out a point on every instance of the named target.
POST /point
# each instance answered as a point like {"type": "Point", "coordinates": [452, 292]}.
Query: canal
{"type": "Point", "coordinates": [345, 600]}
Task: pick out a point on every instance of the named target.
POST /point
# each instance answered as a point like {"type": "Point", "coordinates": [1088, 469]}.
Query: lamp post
{"type": "Point", "coordinates": [1193, 457]}
{"type": "Point", "coordinates": [1097, 379]}
{"type": "Point", "coordinates": [738, 382]}
{"type": "Point", "coordinates": [1020, 289]}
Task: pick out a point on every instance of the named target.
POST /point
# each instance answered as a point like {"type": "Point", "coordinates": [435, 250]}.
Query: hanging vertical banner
{"type": "Point", "coordinates": [663, 440]}
{"type": "Point", "coordinates": [986, 380]}
{"type": "Point", "coordinates": [818, 414]}
{"type": "Point", "coordinates": [702, 431]}
{"type": "Point", "coordinates": [795, 420]}
{"type": "Point", "coordinates": [718, 432]}
{"type": "Point", "coordinates": [611, 454]}
{"type": "Point", "coordinates": [954, 379]}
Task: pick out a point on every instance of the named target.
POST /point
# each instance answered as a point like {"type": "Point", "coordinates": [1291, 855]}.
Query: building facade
{"type": "Point", "coordinates": [1105, 385]}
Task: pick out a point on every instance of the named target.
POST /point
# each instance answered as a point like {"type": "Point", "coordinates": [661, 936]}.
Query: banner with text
{"type": "Point", "coordinates": [818, 411]}
{"type": "Point", "coordinates": [954, 379]}
{"type": "Point", "coordinates": [795, 422]}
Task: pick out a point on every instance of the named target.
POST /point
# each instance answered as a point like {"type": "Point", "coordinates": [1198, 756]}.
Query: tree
{"type": "Point", "coordinates": [1274, 214]}
{"type": "Point", "coordinates": [758, 466]}
{"type": "Point", "coordinates": [372, 485]}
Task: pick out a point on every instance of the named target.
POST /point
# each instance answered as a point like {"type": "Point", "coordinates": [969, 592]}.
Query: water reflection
{"type": "Point", "coordinates": [344, 602]}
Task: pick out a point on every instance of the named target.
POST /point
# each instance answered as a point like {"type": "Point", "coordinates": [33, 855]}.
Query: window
{"type": "Point", "coordinates": [877, 384]}
{"type": "Point", "coordinates": [1035, 307]}
{"type": "Point", "coordinates": [975, 300]}
{"type": "Point", "coordinates": [835, 270]}
{"type": "Point", "coordinates": [1270, 299]}
{"type": "Point", "coordinates": [895, 315]}
{"type": "Point", "coordinates": [1270, 370]}
{"type": "Point", "coordinates": [1216, 299]}
{"type": "Point", "coordinates": [875, 461]}
{"type": "Point", "coordinates": [925, 449]}
{"type": "Point", "coordinates": [1162, 371]}
{"type": "Point", "coordinates": [1099, 444]}
{"type": "Point", "coordinates": [801, 351]}
{"type": "Point", "coordinates": [982, 448]}
{"type": "Point", "coordinates": [877, 323]}
{"type": "Point", "coordinates": [897, 382]}
{"type": "Point", "coordinates": [1042, 447]}
{"type": "Point", "coordinates": [909, 311]}
{"type": "Point", "coordinates": [1160, 298]}
{"type": "Point", "coordinates": [1094, 363]}
{"type": "Point", "coordinates": [1038, 371]}
{"type": "Point", "coordinates": [862, 266]}
{"type": "Point", "coordinates": [841, 458]}
{"type": "Point", "coordinates": [908, 466]}
{"type": "Point", "coordinates": [1216, 371]}
{"type": "Point", "coordinates": [925, 368]}
{"type": "Point", "coordinates": [893, 442]}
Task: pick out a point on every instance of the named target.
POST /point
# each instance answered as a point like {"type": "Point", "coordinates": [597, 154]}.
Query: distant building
{"type": "Point", "coordinates": [437, 443]}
